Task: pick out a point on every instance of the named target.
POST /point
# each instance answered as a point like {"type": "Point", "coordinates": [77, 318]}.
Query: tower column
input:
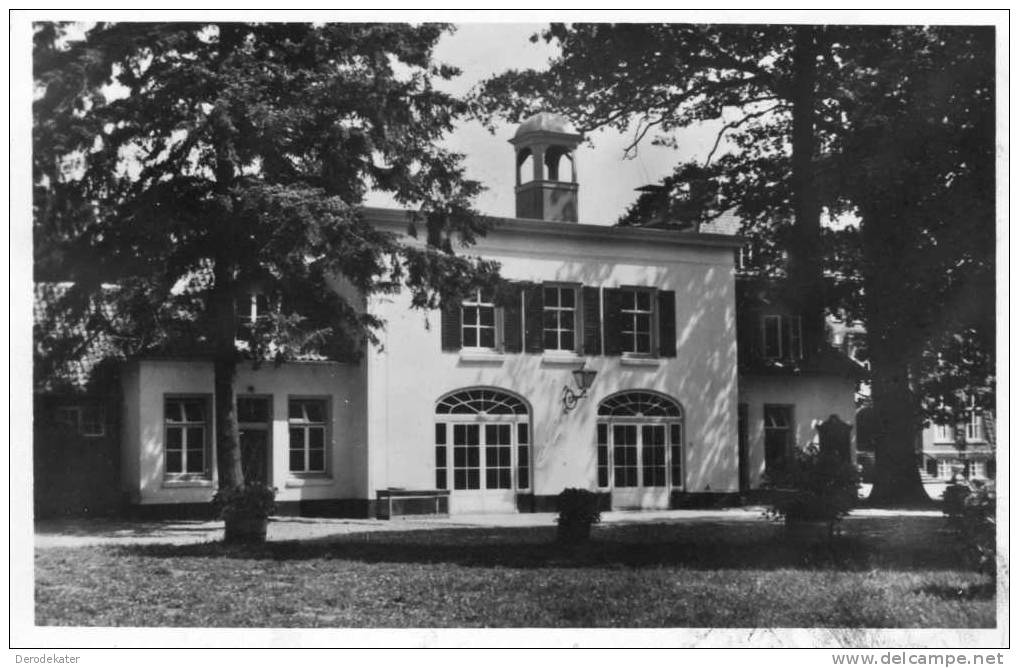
{"type": "Point", "coordinates": [538, 157]}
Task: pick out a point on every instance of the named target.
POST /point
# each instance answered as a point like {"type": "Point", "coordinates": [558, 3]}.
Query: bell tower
{"type": "Point", "coordinates": [546, 169]}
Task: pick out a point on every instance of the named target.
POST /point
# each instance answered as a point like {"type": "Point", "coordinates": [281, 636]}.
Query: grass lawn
{"type": "Point", "coordinates": [884, 572]}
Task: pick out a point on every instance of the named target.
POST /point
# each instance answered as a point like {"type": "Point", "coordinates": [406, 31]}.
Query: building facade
{"type": "Point", "coordinates": [477, 404]}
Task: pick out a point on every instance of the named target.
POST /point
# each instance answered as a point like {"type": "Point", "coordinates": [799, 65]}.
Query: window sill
{"type": "Point", "coordinates": [640, 361]}
{"type": "Point", "coordinates": [184, 483]}
{"type": "Point", "coordinates": [561, 357]}
{"type": "Point", "coordinates": [316, 481]}
{"type": "Point", "coordinates": [482, 356]}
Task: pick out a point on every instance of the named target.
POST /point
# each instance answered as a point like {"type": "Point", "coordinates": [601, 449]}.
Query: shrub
{"type": "Point", "coordinates": [250, 501]}
{"type": "Point", "coordinates": [814, 487]}
{"type": "Point", "coordinates": [578, 510]}
{"type": "Point", "coordinates": [971, 511]}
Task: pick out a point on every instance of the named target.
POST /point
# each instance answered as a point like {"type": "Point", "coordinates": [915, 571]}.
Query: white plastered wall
{"type": "Point", "coordinates": [411, 372]}
{"type": "Point", "coordinates": [147, 383]}
{"type": "Point", "coordinates": [814, 399]}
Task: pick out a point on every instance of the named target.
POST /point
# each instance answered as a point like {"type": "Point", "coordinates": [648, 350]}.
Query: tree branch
{"type": "Point", "coordinates": [735, 124]}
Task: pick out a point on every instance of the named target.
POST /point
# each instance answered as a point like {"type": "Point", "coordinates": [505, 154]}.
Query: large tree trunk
{"type": "Point", "coordinates": [888, 316]}
{"type": "Point", "coordinates": [228, 451]}
{"type": "Point", "coordinates": [806, 289]}
{"type": "Point", "coordinates": [896, 474]}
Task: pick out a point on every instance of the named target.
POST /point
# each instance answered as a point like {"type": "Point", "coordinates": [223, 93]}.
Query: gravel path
{"type": "Point", "coordinates": [80, 532]}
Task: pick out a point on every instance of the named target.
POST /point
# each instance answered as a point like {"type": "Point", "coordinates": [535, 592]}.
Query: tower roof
{"type": "Point", "coordinates": [546, 121]}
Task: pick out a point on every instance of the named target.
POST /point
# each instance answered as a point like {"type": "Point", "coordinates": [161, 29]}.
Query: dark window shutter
{"type": "Point", "coordinates": [613, 300]}
{"type": "Point", "coordinates": [592, 321]}
{"type": "Point", "coordinates": [666, 323]}
{"type": "Point", "coordinates": [451, 326]}
{"type": "Point", "coordinates": [512, 328]}
{"type": "Point", "coordinates": [533, 305]}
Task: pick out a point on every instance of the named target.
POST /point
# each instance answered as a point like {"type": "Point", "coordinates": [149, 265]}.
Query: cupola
{"type": "Point", "coordinates": [546, 168]}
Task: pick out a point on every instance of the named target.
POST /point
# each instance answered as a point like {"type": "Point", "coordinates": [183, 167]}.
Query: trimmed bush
{"type": "Point", "coordinates": [971, 510]}
{"type": "Point", "coordinates": [815, 487]}
{"type": "Point", "coordinates": [578, 510]}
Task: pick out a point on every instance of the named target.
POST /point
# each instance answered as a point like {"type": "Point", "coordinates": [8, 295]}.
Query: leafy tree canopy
{"type": "Point", "coordinates": [189, 162]}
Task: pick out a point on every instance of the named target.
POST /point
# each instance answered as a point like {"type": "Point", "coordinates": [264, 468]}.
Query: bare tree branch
{"type": "Point", "coordinates": [735, 124]}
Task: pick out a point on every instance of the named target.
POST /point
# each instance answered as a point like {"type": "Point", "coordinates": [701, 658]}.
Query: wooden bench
{"type": "Point", "coordinates": [403, 502]}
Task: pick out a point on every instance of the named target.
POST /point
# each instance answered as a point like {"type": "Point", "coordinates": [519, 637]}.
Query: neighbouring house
{"type": "Point", "coordinates": [615, 360]}
{"type": "Point", "coordinates": [963, 449]}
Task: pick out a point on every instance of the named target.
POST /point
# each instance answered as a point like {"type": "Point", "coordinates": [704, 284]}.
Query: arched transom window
{"type": "Point", "coordinates": [639, 404]}
{"type": "Point", "coordinates": [640, 441]}
{"type": "Point", "coordinates": [482, 441]}
{"type": "Point", "coordinates": [481, 401]}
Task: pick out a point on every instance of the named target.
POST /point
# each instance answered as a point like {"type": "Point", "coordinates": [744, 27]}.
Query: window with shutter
{"type": "Point", "coordinates": [478, 322]}
{"type": "Point", "coordinates": [512, 321]}
{"type": "Point", "coordinates": [533, 318]}
{"type": "Point", "coordinates": [559, 318]}
{"type": "Point", "coordinates": [591, 316]}
{"type": "Point", "coordinates": [666, 323]}
{"type": "Point", "coordinates": [613, 313]}
{"type": "Point", "coordinates": [451, 327]}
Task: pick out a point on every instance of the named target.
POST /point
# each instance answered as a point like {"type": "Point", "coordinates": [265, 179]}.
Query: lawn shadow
{"type": "Point", "coordinates": [106, 528]}
{"type": "Point", "coordinates": [983, 591]}
{"type": "Point", "coordinates": [697, 546]}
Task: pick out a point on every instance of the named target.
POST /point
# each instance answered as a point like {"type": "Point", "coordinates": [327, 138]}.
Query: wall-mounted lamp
{"type": "Point", "coordinates": [582, 378]}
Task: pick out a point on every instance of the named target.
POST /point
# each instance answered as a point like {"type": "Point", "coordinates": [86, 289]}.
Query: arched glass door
{"type": "Point", "coordinates": [482, 449]}
{"type": "Point", "coordinates": [640, 448]}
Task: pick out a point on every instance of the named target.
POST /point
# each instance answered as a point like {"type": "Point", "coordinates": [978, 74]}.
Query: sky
{"type": "Point", "coordinates": [607, 180]}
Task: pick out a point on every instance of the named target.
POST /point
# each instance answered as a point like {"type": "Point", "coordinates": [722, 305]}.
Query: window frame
{"type": "Point", "coordinates": [943, 433]}
{"type": "Point", "coordinates": [785, 337]}
{"type": "Point", "coordinates": [74, 418]}
{"type": "Point", "coordinates": [627, 336]}
{"type": "Point", "coordinates": [974, 426]}
{"type": "Point", "coordinates": [477, 302]}
{"type": "Point", "coordinates": [672, 419]}
{"type": "Point", "coordinates": [789, 428]}
{"type": "Point", "coordinates": [207, 425]}
{"type": "Point", "coordinates": [575, 288]}
{"type": "Point", "coordinates": [325, 425]}
{"type": "Point", "coordinates": [446, 423]}
{"type": "Point", "coordinates": [252, 313]}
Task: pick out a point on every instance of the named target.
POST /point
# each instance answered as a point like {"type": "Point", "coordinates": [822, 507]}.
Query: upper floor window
{"type": "Point", "coordinates": [944, 433]}
{"type": "Point", "coordinates": [528, 317]}
{"type": "Point", "coordinates": [478, 321]}
{"type": "Point", "coordinates": [187, 437]}
{"type": "Point", "coordinates": [560, 318]}
{"type": "Point", "coordinates": [745, 258]}
{"type": "Point", "coordinates": [782, 336]}
{"type": "Point", "coordinates": [637, 321]}
{"type": "Point", "coordinates": [87, 420]}
{"type": "Point", "coordinates": [974, 426]}
{"type": "Point", "coordinates": [251, 307]}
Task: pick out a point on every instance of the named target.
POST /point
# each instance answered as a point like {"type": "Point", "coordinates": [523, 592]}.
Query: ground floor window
{"type": "Point", "coordinates": [482, 441]}
{"type": "Point", "coordinates": [308, 426]}
{"type": "Point", "coordinates": [639, 441]}
{"type": "Point", "coordinates": [778, 437]}
{"type": "Point", "coordinates": [186, 437]}
{"type": "Point", "coordinates": [946, 468]}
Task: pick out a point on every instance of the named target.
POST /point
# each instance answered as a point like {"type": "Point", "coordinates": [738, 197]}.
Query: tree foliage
{"type": "Point", "coordinates": [162, 149]}
{"type": "Point", "coordinates": [895, 126]}
{"type": "Point", "coordinates": [181, 166]}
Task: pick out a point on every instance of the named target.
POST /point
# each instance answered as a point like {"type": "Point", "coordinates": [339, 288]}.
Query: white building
{"type": "Point", "coordinates": [479, 401]}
